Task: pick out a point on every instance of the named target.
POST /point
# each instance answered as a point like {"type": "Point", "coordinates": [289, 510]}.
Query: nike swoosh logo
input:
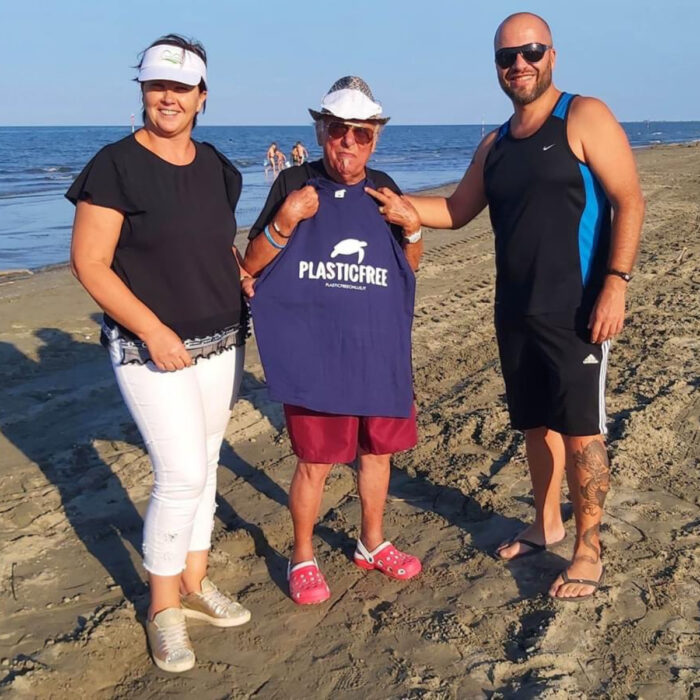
{"type": "Point", "coordinates": [546, 148]}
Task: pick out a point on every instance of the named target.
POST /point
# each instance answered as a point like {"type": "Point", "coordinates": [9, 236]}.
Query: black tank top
{"type": "Point", "coordinates": [551, 220]}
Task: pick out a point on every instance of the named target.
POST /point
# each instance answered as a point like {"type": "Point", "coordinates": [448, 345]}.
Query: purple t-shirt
{"type": "Point", "coordinates": [333, 312]}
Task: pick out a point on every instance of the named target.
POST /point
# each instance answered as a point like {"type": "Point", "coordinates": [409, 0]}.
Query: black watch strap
{"type": "Point", "coordinates": [619, 273]}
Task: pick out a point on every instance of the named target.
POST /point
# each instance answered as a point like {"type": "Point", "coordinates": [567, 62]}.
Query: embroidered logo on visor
{"type": "Point", "coordinates": [173, 56]}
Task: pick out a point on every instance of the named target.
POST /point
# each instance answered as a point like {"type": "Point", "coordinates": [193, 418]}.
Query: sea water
{"type": "Point", "coordinates": [37, 164]}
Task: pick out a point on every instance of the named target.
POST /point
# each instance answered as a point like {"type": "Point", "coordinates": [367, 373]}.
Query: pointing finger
{"type": "Point", "coordinates": [379, 196]}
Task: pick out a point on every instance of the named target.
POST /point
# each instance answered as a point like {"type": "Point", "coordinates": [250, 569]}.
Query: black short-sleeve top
{"type": "Point", "coordinates": [175, 246]}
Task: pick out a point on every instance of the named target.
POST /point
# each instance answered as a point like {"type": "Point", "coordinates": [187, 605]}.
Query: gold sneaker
{"type": "Point", "coordinates": [170, 644]}
{"type": "Point", "coordinates": [212, 606]}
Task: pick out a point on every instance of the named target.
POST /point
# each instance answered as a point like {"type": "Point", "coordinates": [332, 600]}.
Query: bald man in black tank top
{"type": "Point", "coordinates": [561, 185]}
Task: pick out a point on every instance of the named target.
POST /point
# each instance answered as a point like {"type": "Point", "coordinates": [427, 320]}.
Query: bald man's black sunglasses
{"type": "Point", "coordinates": [532, 53]}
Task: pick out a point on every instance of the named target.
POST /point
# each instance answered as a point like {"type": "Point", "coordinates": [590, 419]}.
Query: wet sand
{"type": "Point", "coordinates": [74, 482]}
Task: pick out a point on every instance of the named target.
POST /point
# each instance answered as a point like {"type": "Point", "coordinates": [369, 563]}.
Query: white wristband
{"type": "Point", "coordinates": [414, 237]}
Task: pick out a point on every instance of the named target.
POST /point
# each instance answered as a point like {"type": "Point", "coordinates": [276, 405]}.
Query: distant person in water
{"type": "Point", "coordinates": [275, 161]}
{"type": "Point", "coordinates": [271, 160]}
{"type": "Point", "coordinates": [299, 154]}
{"type": "Point", "coordinates": [281, 160]}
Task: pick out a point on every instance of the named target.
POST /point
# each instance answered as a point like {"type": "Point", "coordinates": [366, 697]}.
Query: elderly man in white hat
{"type": "Point", "coordinates": [333, 307]}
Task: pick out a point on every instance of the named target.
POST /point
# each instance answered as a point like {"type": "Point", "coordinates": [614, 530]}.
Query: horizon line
{"type": "Point", "coordinates": [273, 126]}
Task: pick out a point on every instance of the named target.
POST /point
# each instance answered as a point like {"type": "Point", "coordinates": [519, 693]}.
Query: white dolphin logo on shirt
{"type": "Point", "coordinates": [350, 246]}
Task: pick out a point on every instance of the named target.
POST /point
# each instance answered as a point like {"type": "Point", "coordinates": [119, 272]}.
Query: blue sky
{"type": "Point", "coordinates": [428, 62]}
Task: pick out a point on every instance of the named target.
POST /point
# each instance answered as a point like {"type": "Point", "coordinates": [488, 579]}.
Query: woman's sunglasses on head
{"type": "Point", "coordinates": [363, 134]}
{"type": "Point", "coordinates": [532, 53]}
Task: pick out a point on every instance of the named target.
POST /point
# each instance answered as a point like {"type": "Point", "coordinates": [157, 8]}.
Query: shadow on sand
{"type": "Point", "coordinates": [111, 533]}
{"type": "Point", "coordinates": [47, 426]}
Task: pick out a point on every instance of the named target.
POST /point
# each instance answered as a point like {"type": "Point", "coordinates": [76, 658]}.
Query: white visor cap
{"type": "Point", "coordinates": [165, 62]}
{"type": "Point", "coordinates": [351, 104]}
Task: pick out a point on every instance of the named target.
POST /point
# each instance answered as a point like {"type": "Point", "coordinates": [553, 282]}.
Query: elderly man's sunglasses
{"type": "Point", "coordinates": [363, 134]}
{"type": "Point", "coordinates": [532, 53]}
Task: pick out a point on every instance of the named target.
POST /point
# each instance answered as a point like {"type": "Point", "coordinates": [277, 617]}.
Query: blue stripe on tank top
{"type": "Point", "coordinates": [591, 220]}
{"type": "Point", "coordinates": [502, 131]}
{"type": "Point", "coordinates": [562, 104]}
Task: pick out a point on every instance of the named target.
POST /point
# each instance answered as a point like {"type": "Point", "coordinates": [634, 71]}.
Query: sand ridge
{"type": "Point", "coordinates": [74, 481]}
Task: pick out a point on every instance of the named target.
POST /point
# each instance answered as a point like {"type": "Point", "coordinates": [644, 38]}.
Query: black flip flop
{"type": "Point", "coordinates": [534, 549]}
{"type": "Point", "coordinates": [583, 581]}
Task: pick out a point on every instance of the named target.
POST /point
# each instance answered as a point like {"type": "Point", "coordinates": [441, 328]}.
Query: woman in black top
{"type": "Point", "coordinates": [153, 245]}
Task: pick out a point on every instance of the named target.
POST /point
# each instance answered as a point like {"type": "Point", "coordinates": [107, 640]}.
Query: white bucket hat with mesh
{"type": "Point", "coordinates": [351, 99]}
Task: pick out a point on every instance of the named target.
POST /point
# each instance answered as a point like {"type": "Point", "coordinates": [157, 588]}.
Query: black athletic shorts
{"type": "Point", "coordinates": [554, 376]}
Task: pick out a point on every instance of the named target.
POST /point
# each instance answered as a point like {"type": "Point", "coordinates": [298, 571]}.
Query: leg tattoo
{"type": "Point", "coordinates": [593, 461]}
{"type": "Point", "coordinates": [588, 543]}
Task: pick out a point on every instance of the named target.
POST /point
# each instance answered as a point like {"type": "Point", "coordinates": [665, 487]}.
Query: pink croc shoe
{"type": "Point", "coordinates": [389, 560]}
{"type": "Point", "coordinates": [306, 583]}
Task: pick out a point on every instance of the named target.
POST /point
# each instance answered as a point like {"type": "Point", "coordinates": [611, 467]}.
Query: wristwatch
{"type": "Point", "coordinates": [619, 273]}
{"type": "Point", "coordinates": [414, 237]}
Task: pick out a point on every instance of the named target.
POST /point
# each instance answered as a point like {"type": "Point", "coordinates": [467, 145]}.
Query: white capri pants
{"type": "Point", "coordinates": [182, 417]}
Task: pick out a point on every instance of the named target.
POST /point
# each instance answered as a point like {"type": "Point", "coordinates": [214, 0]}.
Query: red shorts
{"type": "Point", "coordinates": [327, 438]}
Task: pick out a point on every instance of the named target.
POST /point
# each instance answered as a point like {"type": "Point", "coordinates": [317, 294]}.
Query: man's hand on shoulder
{"type": "Point", "coordinates": [396, 209]}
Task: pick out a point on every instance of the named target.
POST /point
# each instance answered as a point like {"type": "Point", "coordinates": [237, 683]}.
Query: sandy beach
{"type": "Point", "coordinates": [74, 482]}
